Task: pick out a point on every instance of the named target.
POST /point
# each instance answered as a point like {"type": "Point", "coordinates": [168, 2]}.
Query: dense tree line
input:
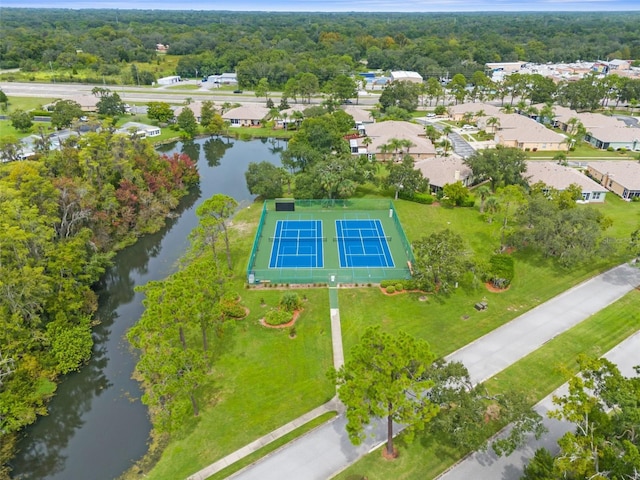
{"type": "Point", "coordinates": [63, 215]}
{"type": "Point", "coordinates": [279, 46]}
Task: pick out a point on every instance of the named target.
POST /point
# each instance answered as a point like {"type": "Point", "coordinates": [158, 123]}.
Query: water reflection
{"type": "Point", "coordinates": [97, 427]}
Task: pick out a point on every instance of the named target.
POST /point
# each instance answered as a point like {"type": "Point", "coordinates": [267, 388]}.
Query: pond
{"type": "Point", "coordinates": [97, 427]}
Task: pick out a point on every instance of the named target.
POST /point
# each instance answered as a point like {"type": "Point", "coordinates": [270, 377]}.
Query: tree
{"type": "Point", "coordinates": [214, 213]}
{"type": "Point", "coordinates": [400, 94]}
{"type": "Point", "coordinates": [483, 193]}
{"type": "Point", "coordinates": [65, 112]}
{"type": "Point", "coordinates": [384, 378]}
{"type": "Point", "coordinates": [404, 177]}
{"type": "Point", "coordinates": [572, 235]}
{"type": "Point", "coordinates": [160, 111]}
{"type": "Point", "coordinates": [21, 120]}
{"type": "Point", "coordinates": [501, 166]}
{"type": "Point", "coordinates": [441, 261]}
{"type": "Point", "coordinates": [341, 88]}
{"type": "Point", "coordinates": [4, 101]}
{"type": "Point", "coordinates": [262, 88]}
{"type": "Point", "coordinates": [265, 179]}
{"type": "Point", "coordinates": [456, 193]}
{"type": "Point", "coordinates": [110, 103]}
{"type": "Point", "coordinates": [458, 87]}
{"type": "Point", "coordinates": [207, 113]}
{"type": "Point", "coordinates": [469, 414]}
{"type": "Point", "coordinates": [603, 404]}
{"type": "Point", "coordinates": [187, 122]}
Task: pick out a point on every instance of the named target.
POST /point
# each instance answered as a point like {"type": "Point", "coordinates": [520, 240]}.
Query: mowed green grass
{"type": "Point", "coordinates": [263, 379]}
{"type": "Point", "coordinates": [539, 374]}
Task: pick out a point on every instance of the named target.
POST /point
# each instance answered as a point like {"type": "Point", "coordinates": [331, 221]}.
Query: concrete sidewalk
{"type": "Point", "coordinates": [488, 466]}
{"type": "Point", "coordinates": [331, 405]}
{"type": "Point", "coordinates": [327, 450]}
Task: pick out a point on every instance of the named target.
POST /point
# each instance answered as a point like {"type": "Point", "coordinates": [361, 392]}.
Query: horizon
{"type": "Point", "coordinates": [338, 6]}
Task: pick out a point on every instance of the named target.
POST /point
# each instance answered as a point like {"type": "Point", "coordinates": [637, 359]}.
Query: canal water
{"type": "Point", "coordinates": [97, 427]}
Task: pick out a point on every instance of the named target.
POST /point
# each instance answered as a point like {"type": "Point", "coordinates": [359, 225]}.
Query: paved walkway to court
{"type": "Point", "coordinates": [327, 450]}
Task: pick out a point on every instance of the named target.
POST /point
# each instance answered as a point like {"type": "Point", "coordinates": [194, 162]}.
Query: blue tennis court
{"type": "Point", "coordinates": [297, 244]}
{"type": "Point", "coordinates": [362, 243]}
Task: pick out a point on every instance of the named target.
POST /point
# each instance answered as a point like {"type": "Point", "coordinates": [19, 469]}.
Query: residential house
{"type": "Point", "coordinates": [290, 116]}
{"type": "Point", "coordinates": [622, 177]}
{"type": "Point", "coordinates": [381, 135]}
{"type": "Point", "coordinates": [140, 129]}
{"type": "Point", "coordinates": [445, 170]}
{"type": "Point", "coordinates": [472, 110]}
{"type": "Point", "coordinates": [617, 137]}
{"type": "Point", "coordinates": [195, 107]}
{"type": "Point", "coordinates": [247, 115]}
{"type": "Point", "coordinates": [88, 103]}
{"type": "Point", "coordinates": [603, 131]}
{"type": "Point", "coordinates": [518, 131]}
{"type": "Point", "coordinates": [560, 177]}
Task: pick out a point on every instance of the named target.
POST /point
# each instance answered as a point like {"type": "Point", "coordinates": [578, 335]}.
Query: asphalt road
{"type": "Point", "coordinates": [488, 466]}
{"type": "Point", "coordinates": [327, 450]}
{"type": "Point", "coordinates": [134, 94]}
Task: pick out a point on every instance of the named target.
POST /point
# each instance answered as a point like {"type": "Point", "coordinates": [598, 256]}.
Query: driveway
{"type": "Point", "coordinates": [327, 450]}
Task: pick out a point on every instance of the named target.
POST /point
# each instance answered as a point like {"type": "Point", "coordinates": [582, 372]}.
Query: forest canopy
{"type": "Point", "coordinates": [278, 46]}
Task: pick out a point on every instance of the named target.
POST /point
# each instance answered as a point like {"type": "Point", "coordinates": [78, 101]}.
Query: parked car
{"type": "Point", "coordinates": [237, 91]}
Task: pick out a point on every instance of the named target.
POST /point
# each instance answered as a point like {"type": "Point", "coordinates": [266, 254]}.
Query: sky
{"type": "Point", "coordinates": [343, 5]}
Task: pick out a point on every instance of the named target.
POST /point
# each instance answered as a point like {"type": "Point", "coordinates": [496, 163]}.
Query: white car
{"type": "Point", "coordinates": [468, 127]}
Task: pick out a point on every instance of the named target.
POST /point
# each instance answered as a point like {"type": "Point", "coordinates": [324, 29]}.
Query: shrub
{"type": "Point", "coordinates": [391, 289]}
{"type": "Point", "coordinates": [423, 198]}
{"type": "Point", "coordinates": [468, 202]}
{"type": "Point", "coordinates": [501, 270]}
{"type": "Point", "coordinates": [290, 301]}
{"type": "Point", "coordinates": [277, 316]}
{"type": "Point", "coordinates": [399, 287]}
{"type": "Point", "coordinates": [609, 149]}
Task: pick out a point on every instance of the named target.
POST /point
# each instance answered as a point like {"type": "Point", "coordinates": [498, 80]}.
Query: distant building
{"type": "Point", "coordinates": [169, 80]}
{"type": "Point", "coordinates": [223, 79]}
{"type": "Point", "coordinates": [139, 129]}
{"type": "Point", "coordinates": [406, 76]}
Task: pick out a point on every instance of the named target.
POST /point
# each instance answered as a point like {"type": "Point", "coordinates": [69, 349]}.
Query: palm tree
{"type": "Point", "coordinates": [445, 144]}
{"type": "Point", "coordinates": [483, 193]}
{"type": "Point", "coordinates": [432, 133]}
{"type": "Point", "coordinates": [491, 207]}
{"type": "Point", "coordinates": [494, 123]}
{"type": "Point", "coordinates": [366, 141]}
{"type": "Point", "coordinates": [507, 108]}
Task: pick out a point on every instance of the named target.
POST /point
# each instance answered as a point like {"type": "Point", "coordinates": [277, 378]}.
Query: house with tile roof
{"type": "Point", "coordinates": [622, 177]}
{"type": "Point", "coordinates": [517, 131]}
{"type": "Point", "coordinates": [382, 133]}
{"type": "Point", "coordinates": [474, 110]}
{"type": "Point", "coordinates": [445, 170]}
{"type": "Point", "coordinates": [246, 115]}
{"type": "Point", "coordinates": [560, 178]}
{"type": "Point", "coordinates": [195, 107]}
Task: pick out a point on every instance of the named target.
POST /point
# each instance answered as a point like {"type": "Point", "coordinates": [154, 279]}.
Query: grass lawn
{"type": "Point", "coordinates": [255, 456]}
{"type": "Point", "coordinates": [539, 373]}
{"type": "Point", "coordinates": [263, 378]}
{"type": "Point", "coordinates": [27, 103]}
